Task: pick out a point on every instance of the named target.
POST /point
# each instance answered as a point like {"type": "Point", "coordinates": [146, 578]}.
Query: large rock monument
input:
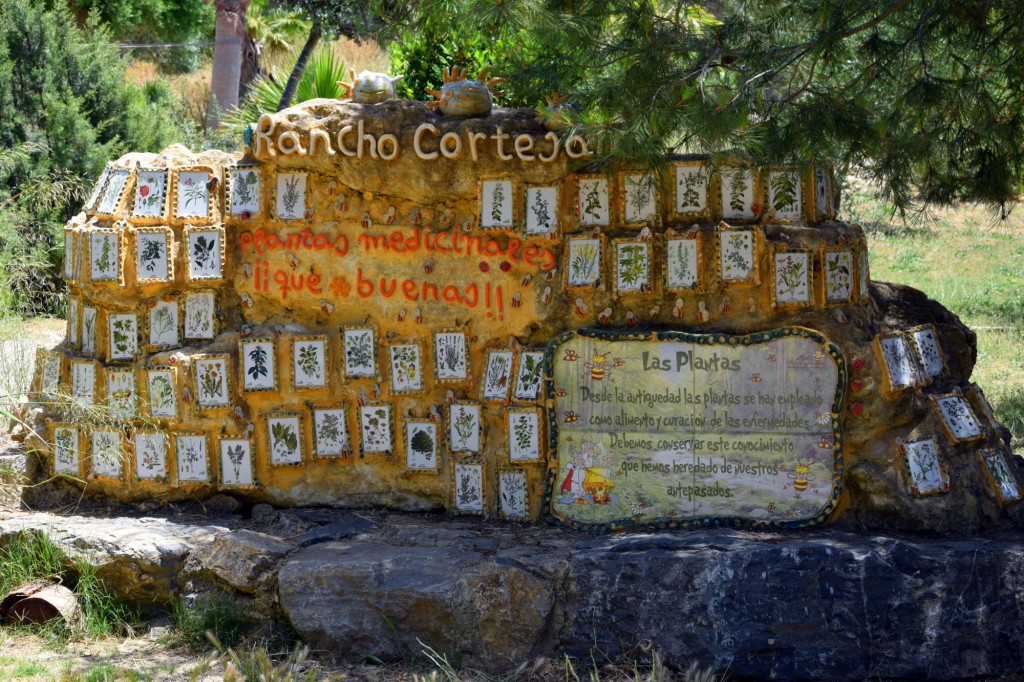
{"type": "Point", "coordinates": [385, 305]}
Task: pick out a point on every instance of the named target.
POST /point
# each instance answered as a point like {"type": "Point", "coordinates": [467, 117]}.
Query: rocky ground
{"type": "Point", "coordinates": [364, 586]}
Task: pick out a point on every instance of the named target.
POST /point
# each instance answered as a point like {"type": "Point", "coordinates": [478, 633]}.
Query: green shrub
{"type": "Point", "coordinates": [65, 110]}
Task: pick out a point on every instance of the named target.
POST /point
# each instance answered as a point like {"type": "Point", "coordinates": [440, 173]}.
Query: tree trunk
{"type": "Point", "coordinates": [300, 66]}
{"type": "Point", "coordinates": [227, 61]}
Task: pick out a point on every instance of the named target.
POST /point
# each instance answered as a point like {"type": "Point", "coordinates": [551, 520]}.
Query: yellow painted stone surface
{"type": "Point", "coordinates": [364, 222]}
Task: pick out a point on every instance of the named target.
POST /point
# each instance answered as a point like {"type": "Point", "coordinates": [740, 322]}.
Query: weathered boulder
{"type": "Point", "coordinates": [346, 526]}
{"type": "Point", "coordinates": [243, 558]}
{"type": "Point", "coordinates": [139, 559]}
{"type": "Point", "coordinates": [356, 599]}
{"type": "Point", "coordinates": [822, 606]}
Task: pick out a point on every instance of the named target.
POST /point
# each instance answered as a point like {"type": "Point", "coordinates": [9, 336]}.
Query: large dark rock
{"type": "Point", "coordinates": [827, 606]}
{"type": "Point", "coordinates": [361, 599]}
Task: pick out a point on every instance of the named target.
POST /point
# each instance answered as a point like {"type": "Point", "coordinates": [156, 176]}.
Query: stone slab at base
{"type": "Point", "coordinates": [821, 605]}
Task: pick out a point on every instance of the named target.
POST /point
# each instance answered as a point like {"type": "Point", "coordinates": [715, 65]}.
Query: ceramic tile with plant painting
{"type": "Point", "coordinates": [97, 190]}
{"type": "Point", "coordinates": [375, 427]}
{"type": "Point", "coordinates": [123, 342]}
{"type": "Point", "coordinates": [330, 432]}
{"type": "Point", "coordinates": [205, 252]}
{"type": "Point", "coordinates": [83, 381]}
{"type": "Point", "coordinates": [737, 193]}
{"type": "Point", "coordinates": [163, 323]}
{"type": "Point", "coordinates": [541, 212]}
{"type": "Point", "coordinates": [160, 389]}
{"type": "Point", "coordinates": [193, 194]}
{"type": "Point", "coordinates": [360, 352]}
{"type": "Point", "coordinates": [1003, 480]}
{"type": "Point", "coordinates": [901, 372]}
{"type": "Point", "coordinates": [122, 394]}
{"type": "Point", "coordinates": [69, 269]}
{"type": "Point", "coordinates": [309, 363]}
{"type": "Point", "coordinates": [632, 266]}
{"type": "Point", "coordinates": [530, 376]}
{"type": "Point", "coordinates": [153, 254]}
{"type": "Point", "coordinates": [192, 457]}
{"type": "Point", "coordinates": [421, 446]}
{"type": "Point", "coordinates": [106, 453]}
{"type": "Point", "coordinates": [451, 356]}
{"type": "Point", "coordinates": [151, 455]}
{"type": "Point", "coordinates": [212, 384]}
{"type": "Point", "coordinates": [291, 196]}
{"type": "Point", "coordinates": [513, 497]}
{"type": "Point", "coordinates": [66, 450]}
{"type": "Point", "coordinates": [496, 204]}
{"type": "Point", "coordinates": [49, 373]}
{"type": "Point", "coordinates": [406, 363]}
{"type": "Point", "coordinates": [524, 435]}
{"type": "Point", "coordinates": [640, 198]}
{"type": "Point", "coordinates": [691, 190]}
{"type": "Point", "coordinates": [498, 375]}
{"type": "Point", "coordinates": [243, 191]}
{"type": "Point", "coordinates": [583, 262]}
{"type": "Point", "coordinates": [736, 255]}
{"type": "Point", "coordinates": [592, 201]}
{"type": "Point", "coordinates": [958, 418]}
{"type": "Point", "coordinates": [925, 344]}
{"type": "Point", "coordinates": [284, 438]}
{"type": "Point", "coordinates": [792, 277]}
{"type": "Point", "coordinates": [838, 276]}
{"type": "Point", "coordinates": [925, 471]}
{"type": "Point", "coordinates": [464, 427]}
{"type": "Point", "coordinates": [468, 490]}
{"type": "Point", "coordinates": [236, 466]}
{"type": "Point", "coordinates": [199, 320]}
{"type": "Point", "coordinates": [111, 200]}
{"type": "Point", "coordinates": [682, 258]}
{"type": "Point", "coordinates": [150, 194]}
{"type": "Point", "coordinates": [784, 194]}
{"type": "Point", "coordinates": [89, 324]}
{"type": "Point", "coordinates": [259, 364]}
{"type": "Point", "coordinates": [104, 255]}
{"type": "Point", "coordinates": [72, 328]}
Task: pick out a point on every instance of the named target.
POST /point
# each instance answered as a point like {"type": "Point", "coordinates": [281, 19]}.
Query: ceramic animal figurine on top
{"type": "Point", "coordinates": [369, 87]}
{"type": "Point", "coordinates": [557, 113]}
{"type": "Point", "coordinates": [460, 97]}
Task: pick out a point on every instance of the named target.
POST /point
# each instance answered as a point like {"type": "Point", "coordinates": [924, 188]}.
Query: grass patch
{"type": "Point", "coordinates": [218, 614]}
{"type": "Point", "coordinates": [33, 556]}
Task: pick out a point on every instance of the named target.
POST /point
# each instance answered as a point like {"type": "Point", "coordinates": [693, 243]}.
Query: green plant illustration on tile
{"type": "Point", "coordinates": [632, 266]}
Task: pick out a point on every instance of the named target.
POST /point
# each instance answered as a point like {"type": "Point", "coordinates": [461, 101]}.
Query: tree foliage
{"type": "Point", "coordinates": [925, 96]}
{"type": "Point", "coordinates": [65, 109]}
{"type": "Point", "coordinates": [156, 21]}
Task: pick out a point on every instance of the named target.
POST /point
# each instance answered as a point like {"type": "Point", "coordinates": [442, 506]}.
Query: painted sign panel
{"type": "Point", "coordinates": [669, 428]}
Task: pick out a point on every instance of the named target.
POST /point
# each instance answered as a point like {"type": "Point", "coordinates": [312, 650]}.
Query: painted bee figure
{"type": "Point", "coordinates": [571, 355]}
{"type": "Point", "coordinates": [570, 416]}
{"type": "Point", "coordinates": [800, 478]}
{"type": "Point", "coordinates": [598, 366]}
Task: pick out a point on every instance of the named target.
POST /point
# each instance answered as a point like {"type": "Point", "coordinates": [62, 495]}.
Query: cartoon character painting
{"type": "Point", "coordinates": [585, 483]}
